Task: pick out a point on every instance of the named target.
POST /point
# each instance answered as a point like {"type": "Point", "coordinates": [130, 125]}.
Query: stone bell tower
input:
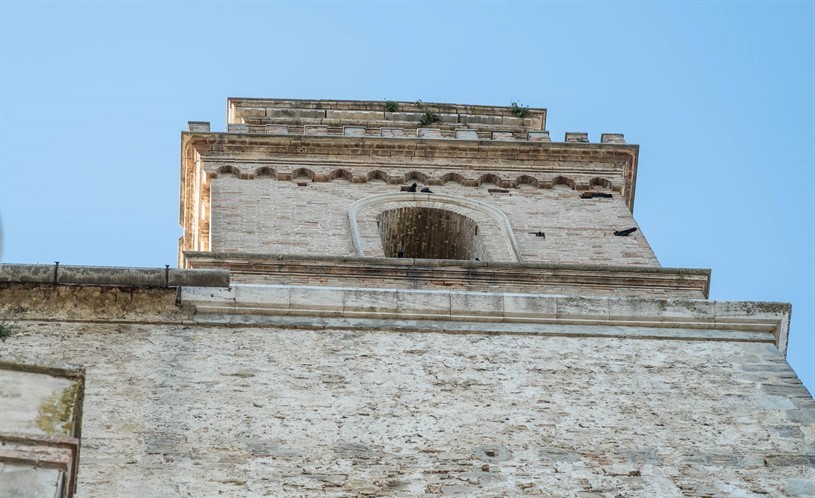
{"type": "Point", "coordinates": [410, 300]}
{"type": "Point", "coordinates": [317, 182]}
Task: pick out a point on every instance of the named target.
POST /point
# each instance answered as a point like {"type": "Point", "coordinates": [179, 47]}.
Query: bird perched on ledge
{"type": "Point", "coordinates": [426, 190]}
{"type": "Point", "coordinates": [412, 188]}
{"type": "Point", "coordinates": [595, 195]}
{"type": "Point", "coordinates": [625, 233]}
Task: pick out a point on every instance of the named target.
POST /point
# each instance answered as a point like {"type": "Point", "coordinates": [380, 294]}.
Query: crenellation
{"type": "Point", "coordinates": [576, 137]}
{"type": "Point", "coordinates": [538, 136]}
{"type": "Point", "coordinates": [198, 126]}
{"type": "Point", "coordinates": [502, 135]}
{"type": "Point", "coordinates": [612, 138]}
{"type": "Point", "coordinates": [354, 131]}
{"type": "Point", "coordinates": [428, 133]}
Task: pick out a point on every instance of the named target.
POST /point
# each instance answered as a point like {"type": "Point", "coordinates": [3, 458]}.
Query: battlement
{"type": "Point", "coordinates": [382, 114]}
{"type": "Point", "coordinates": [442, 133]}
{"type": "Point", "coordinates": [488, 184]}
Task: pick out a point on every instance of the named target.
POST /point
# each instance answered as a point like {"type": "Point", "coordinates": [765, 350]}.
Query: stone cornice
{"type": "Point", "coordinates": [514, 161]}
{"type": "Point", "coordinates": [471, 275]}
{"type": "Point", "coordinates": [454, 311]}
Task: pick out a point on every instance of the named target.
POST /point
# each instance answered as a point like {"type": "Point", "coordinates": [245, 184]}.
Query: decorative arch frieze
{"type": "Point", "coordinates": [493, 225]}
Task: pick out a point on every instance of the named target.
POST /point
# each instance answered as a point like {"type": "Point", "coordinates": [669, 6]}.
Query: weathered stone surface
{"type": "Point", "coordinates": [29, 481]}
{"type": "Point", "coordinates": [253, 411]}
{"type": "Point", "coordinates": [280, 217]}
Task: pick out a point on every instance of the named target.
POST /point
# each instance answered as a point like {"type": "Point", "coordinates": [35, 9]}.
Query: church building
{"type": "Point", "coordinates": [398, 299]}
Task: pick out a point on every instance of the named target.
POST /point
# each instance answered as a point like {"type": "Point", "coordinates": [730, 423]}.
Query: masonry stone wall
{"type": "Point", "coordinates": [269, 216]}
{"type": "Point", "coordinates": [189, 410]}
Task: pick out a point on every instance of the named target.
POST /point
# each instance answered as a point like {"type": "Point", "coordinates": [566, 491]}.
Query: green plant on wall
{"type": "Point", "coordinates": [428, 117]}
{"type": "Point", "coordinates": [6, 329]}
{"type": "Point", "coordinates": [521, 111]}
{"type": "Point", "coordinates": [391, 106]}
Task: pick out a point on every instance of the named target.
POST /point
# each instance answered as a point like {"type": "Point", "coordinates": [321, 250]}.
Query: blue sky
{"type": "Point", "coordinates": [720, 97]}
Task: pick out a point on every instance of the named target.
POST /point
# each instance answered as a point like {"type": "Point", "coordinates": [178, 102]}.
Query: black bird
{"type": "Point", "coordinates": [401, 254]}
{"type": "Point", "coordinates": [538, 234]}
{"type": "Point", "coordinates": [426, 190]}
{"type": "Point", "coordinates": [412, 188]}
{"type": "Point", "coordinates": [625, 233]}
{"type": "Point", "coordinates": [592, 195]}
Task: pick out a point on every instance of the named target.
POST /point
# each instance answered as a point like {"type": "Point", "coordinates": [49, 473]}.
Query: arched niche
{"type": "Point", "coordinates": [382, 217]}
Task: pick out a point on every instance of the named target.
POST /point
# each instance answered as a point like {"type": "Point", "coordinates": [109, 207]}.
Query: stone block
{"type": "Point", "coordinates": [262, 296]}
{"type": "Point", "coordinates": [423, 303]}
{"type": "Point", "coordinates": [213, 295]}
{"type": "Point", "coordinates": [612, 138]}
{"type": "Point", "coordinates": [529, 305]}
{"type": "Point", "coordinates": [198, 126]}
{"type": "Point", "coordinates": [316, 299]}
{"type": "Point", "coordinates": [502, 135]}
{"type": "Point", "coordinates": [538, 136]}
{"type": "Point", "coordinates": [391, 132]}
{"type": "Point", "coordinates": [295, 113]}
{"type": "Point", "coordinates": [476, 304]}
{"type": "Point", "coordinates": [237, 128]}
{"type": "Point", "coordinates": [252, 112]}
{"type": "Point", "coordinates": [467, 134]}
{"type": "Point", "coordinates": [659, 309]}
{"type": "Point", "coordinates": [403, 116]}
{"type": "Point", "coordinates": [428, 133]}
{"type": "Point", "coordinates": [512, 121]}
{"type": "Point", "coordinates": [581, 307]}
{"type": "Point", "coordinates": [361, 301]}
{"type": "Point", "coordinates": [275, 129]}
{"type": "Point", "coordinates": [353, 131]}
{"type": "Point", "coordinates": [481, 119]}
{"type": "Point", "coordinates": [315, 130]}
{"type": "Point", "coordinates": [572, 136]}
{"type": "Point", "coordinates": [354, 115]}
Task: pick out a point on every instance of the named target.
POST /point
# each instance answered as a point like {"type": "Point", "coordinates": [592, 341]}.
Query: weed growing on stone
{"type": "Point", "coordinates": [391, 106]}
{"type": "Point", "coordinates": [429, 116]}
{"type": "Point", "coordinates": [521, 111]}
{"type": "Point", "coordinates": [6, 329]}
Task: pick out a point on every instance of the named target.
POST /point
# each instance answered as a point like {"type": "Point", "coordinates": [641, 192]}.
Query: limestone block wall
{"type": "Point", "coordinates": [270, 216]}
{"type": "Point", "coordinates": [188, 410]}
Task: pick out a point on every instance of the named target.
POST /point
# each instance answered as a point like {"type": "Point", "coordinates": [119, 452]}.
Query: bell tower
{"type": "Point", "coordinates": [458, 187]}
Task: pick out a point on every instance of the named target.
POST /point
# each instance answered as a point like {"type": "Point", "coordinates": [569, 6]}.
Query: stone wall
{"type": "Point", "coordinates": [194, 410]}
{"type": "Point", "coordinates": [270, 216]}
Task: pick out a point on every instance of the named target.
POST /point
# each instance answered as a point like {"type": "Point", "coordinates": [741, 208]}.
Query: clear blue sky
{"type": "Point", "coordinates": [720, 96]}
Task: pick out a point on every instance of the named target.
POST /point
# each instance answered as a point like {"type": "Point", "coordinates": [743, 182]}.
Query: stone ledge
{"type": "Point", "coordinates": [257, 110]}
{"type": "Point", "coordinates": [466, 275]}
{"type": "Point", "coordinates": [33, 301]}
{"type": "Point", "coordinates": [754, 321]}
{"type": "Point", "coordinates": [215, 315]}
{"type": "Point", "coordinates": [57, 274]}
{"type": "Point", "coordinates": [515, 161]}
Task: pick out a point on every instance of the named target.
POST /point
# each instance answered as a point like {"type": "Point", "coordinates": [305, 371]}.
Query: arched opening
{"type": "Point", "coordinates": [429, 233]}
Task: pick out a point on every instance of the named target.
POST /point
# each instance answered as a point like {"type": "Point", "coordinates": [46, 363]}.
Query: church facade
{"type": "Point", "coordinates": [413, 299]}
